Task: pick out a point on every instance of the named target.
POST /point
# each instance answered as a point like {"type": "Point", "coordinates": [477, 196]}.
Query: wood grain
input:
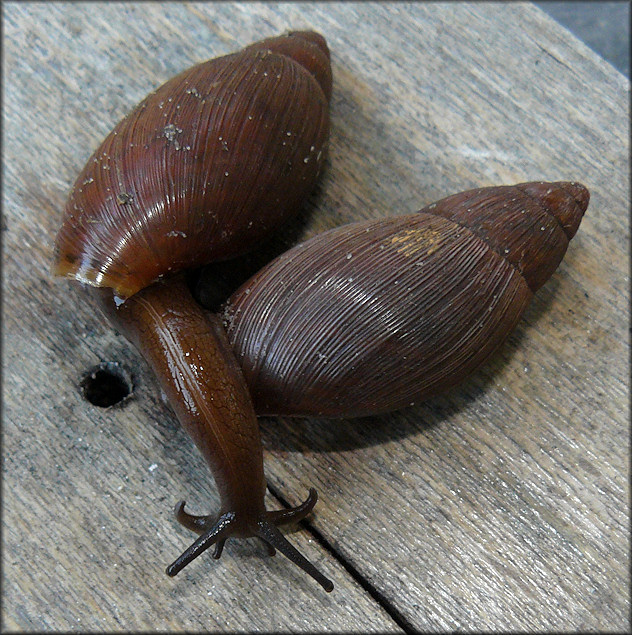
{"type": "Point", "coordinates": [501, 505]}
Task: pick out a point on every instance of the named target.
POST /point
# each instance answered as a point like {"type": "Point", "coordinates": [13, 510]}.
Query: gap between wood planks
{"type": "Point", "coordinates": [389, 608]}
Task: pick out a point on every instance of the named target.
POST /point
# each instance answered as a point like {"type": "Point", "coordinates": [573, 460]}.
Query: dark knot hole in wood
{"type": "Point", "coordinates": [107, 384]}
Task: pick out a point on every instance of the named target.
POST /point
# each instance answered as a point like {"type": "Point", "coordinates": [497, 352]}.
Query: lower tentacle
{"type": "Point", "coordinates": [274, 537]}
{"type": "Point", "coordinates": [199, 524]}
{"type": "Point", "coordinates": [283, 516]}
{"type": "Point", "coordinates": [269, 547]}
{"type": "Point", "coordinates": [219, 547]}
{"type": "Point", "coordinates": [216, 534]}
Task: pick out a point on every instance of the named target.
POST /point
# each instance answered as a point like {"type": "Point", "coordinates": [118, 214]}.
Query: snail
{"type": "Point", "coordinates": [201, 170]}
{"type": "Point", "coordinates": [376, 315]}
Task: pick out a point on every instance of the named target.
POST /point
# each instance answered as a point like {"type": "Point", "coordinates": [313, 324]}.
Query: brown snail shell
{"type": "Point", "coordinates": [203, 168]}
{"type": "Point", "coordinates": [376, 315]}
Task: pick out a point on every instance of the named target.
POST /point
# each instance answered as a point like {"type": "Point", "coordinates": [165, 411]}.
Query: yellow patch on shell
{"type": "Point", "coordinates": [410, 242]}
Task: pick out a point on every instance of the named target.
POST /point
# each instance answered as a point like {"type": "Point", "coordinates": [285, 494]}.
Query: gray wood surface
{"type": "Point", "coordinates": [501, 505]}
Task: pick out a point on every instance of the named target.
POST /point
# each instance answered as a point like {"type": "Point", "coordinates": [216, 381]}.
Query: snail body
{"type": "Point", "coordinates": [189, 353]}
{"type": "Point", "coordinates": [202, 170]}
{"type": "Point", "coordinates": [377, 315]}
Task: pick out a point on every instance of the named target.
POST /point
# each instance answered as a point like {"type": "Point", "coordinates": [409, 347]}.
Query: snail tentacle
{"type": "Point", "coordinates": [216, 534]}
{"type": "Point", "coordinates": [198, 524]}
{"type": "Point", "coordinates": [274, 537]}
{"type": "Point", "coordinates": [269, 547]}
{"type": "Point", "coordinates": [294, 514]}
{"type": "Point", "coordinates": [266, 530]}
{"type": "Point", "coordinates": [219, 547]}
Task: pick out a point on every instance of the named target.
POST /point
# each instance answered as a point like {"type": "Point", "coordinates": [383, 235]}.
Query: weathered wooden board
{"type": "Point", "coordinates": [501, 505]}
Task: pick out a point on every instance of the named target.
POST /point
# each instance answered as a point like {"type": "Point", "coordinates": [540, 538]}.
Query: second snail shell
{"type": "Point", "coordinates": [377, 315]}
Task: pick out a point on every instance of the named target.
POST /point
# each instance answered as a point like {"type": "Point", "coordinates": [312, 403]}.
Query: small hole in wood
{"type": "Point", "coordinates": [106, 384]}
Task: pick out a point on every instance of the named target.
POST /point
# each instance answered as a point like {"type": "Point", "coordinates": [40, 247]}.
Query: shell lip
{"type": "Point", "coordinates": [62, 268]}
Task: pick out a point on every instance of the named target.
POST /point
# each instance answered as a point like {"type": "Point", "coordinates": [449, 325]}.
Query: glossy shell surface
{"type": "Point", "coordinates": [203, 168]}
{"type": "Point", "coordinates": [377, 315]}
